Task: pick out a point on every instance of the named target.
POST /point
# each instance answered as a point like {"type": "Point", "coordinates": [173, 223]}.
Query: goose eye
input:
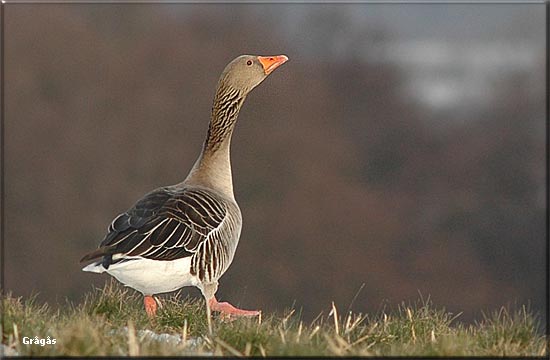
{"type": "Point", "coordinates": [249, 62]}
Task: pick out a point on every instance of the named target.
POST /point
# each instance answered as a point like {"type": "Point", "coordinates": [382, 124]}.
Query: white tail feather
{"type": "Point", "coordinates": [94, 267]}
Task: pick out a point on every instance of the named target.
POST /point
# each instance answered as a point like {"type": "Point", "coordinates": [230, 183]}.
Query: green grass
{"type": "Point", "coordinates": [109, 320]}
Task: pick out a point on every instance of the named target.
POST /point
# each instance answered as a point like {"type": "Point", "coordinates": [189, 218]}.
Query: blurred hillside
{"type": "Point", "coordinates": [402, 159]}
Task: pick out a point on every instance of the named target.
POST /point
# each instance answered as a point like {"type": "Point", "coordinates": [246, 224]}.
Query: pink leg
{"type": "Point", "coordinates": [150, 305]}
{"type": "Point", "coordinates": [228, 309]}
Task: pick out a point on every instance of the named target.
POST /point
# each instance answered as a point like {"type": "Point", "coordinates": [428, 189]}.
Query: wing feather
{"type": "Point", "coordinates": [166, 224]}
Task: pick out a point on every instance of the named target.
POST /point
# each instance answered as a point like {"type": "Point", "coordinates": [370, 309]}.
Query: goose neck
{"type": "Point", "coordinates": [213, 167]}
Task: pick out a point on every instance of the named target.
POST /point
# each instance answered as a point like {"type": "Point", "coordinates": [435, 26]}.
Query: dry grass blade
{"type": "Point", "coordinates": [262, 350]}
{"type": "Point", "coordinates": [315, 331]}
{"type": "Point", "coordinates": [544, 348]}
{"type": "Point", "coordinates": [15, 333]}
{"type": "Point", "coordinates": [299, 333]}
{"type": "Point", "coordinates": [282, 334]}
{"type": "Point", "coordinates": [288, 317]}
{"type": "Point", "coordinates": [355, 296]}
{"type": "Point", "coordinates": [133, 345]}
{"type": "Point", "coordinates": [247, 349]}
{"type": "Point", "coordinates": [351, 325]}
{"type": "Point", "coordinates": [229, 348]}
{"type": "Point", "coordinates": [348, 323]}
{"type": "Point", "coordinates": [184, 332]}
{"type": "Point", "coordinates": [334, 314]}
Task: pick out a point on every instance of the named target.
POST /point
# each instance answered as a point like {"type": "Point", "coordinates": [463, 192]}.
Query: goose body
{"type": "Point", "coordinates": [173, 237]}
{"type": "Point", "coordinates": [187, 234]}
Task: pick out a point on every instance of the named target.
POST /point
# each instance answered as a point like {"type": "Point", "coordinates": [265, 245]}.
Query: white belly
{"type": "Point", "coordinates": [152, 276]}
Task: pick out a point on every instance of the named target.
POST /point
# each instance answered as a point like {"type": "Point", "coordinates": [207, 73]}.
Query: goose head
{"type": "Point", "coordinates": [246, 72]}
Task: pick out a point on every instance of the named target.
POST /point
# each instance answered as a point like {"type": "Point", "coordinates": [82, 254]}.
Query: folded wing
{"type": "Point", "coordinates": [166, 224]}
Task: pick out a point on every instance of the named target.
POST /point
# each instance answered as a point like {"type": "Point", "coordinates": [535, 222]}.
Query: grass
{"type": "Point", "coordinates": [110, 322]}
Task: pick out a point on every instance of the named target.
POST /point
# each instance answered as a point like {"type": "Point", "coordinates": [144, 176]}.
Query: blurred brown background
{"type": "Point", "coordinates": [402, 147]}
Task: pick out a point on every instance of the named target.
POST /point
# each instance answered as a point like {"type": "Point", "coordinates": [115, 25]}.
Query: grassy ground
{"type": "Point", "coordinates": [111, 322]}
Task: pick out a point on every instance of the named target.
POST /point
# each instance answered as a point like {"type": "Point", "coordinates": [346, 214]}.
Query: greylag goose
{"type": "Point", "coordinates": [186, 234]}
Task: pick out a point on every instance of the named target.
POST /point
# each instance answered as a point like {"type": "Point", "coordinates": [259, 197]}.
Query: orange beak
{"type": "Point", "coordinates": [270, 63]}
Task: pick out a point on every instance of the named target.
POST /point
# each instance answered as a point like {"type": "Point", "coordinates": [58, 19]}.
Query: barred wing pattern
{"type": "Point", "coordinates": [171, 223]}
